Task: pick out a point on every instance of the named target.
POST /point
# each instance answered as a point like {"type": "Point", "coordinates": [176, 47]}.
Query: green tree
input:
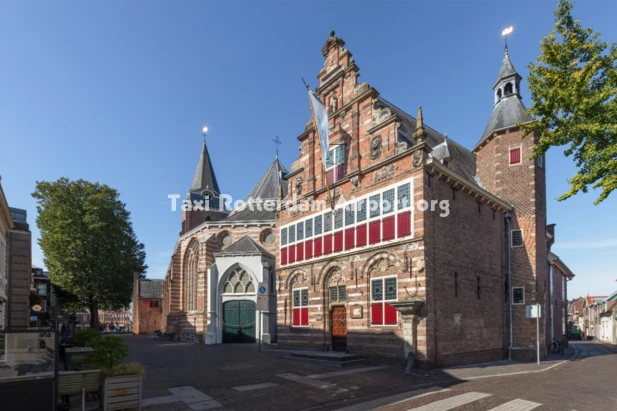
{"type": "Point", "coordinates": [574, 92]}
{"type": "Point", "coordinates": [90, 248]}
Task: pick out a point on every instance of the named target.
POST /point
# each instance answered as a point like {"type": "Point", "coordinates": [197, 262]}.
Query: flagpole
{"type": "Point", "coordinates": [323, 164]}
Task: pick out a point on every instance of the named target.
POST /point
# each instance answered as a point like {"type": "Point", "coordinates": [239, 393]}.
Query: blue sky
{"type": "Point", "coordinates": [118, 92]}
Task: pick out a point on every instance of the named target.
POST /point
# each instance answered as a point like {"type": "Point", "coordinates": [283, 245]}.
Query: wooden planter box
{"type": "Point", "coordinates": [122, 392]}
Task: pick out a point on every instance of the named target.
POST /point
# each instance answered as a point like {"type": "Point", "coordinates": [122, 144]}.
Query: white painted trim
{"type": "Point", "coordinates": [371, 301]}
{"type": "Point", "coordinates": [512, 238]}
{"type": "Point", "coordinates": [520, 147]}
{"type": "Point", "coordinates": [512, 296]}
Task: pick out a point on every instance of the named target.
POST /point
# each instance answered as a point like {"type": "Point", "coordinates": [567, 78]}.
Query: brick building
{"type": "Point", "coordinates": [460, 279]}
{"type": "Point", "coordinates": [433, 251]}
{"type": "Point", "coordinates": [19, 267]}
{"type": "Point", "coordinates": [117, 320]}
{"type": "Point", "coordinates": [6, 223]}
{"type": "Point", "coordinates": [147, 305]}
{"type": "Point", "coordinates": [220, 258]}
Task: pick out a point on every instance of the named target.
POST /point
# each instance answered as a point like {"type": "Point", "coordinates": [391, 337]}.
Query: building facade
{"type": "Point", "coordinates": [19, 264]}
{"type": "Point", "coordinates": [147, 305]}
{"type": "Point", "coordinates": [6, 223]}
{"type": "Point", "coordinates": [418, 247]}
{"type": "Point", "coordinates": [385, 275]}
{"type": "Point", "coordinates": [220, 260]}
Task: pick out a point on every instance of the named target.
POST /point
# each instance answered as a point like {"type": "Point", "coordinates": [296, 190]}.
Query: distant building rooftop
{"type": "Point", "coordinates": [151, 288]}
{"type": "Point", "coordinates": [18, 215]}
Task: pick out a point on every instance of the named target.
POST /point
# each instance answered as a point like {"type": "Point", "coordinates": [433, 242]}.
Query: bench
{"type": "Point", "coordinates": [79, 382]}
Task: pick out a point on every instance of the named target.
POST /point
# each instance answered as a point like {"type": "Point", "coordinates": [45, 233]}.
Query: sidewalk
{"type": "Point", "coordinates": [501, 368]}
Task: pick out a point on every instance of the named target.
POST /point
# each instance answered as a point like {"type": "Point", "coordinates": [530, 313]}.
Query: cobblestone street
{"type": "Point", "coordinates": [231, 376]}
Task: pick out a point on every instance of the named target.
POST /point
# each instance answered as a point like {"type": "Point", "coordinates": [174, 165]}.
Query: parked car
{"type": "Point", "coordinates": [574, 335]}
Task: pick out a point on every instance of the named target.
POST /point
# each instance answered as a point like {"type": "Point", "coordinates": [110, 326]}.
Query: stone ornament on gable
{"type": "Point", "coordinates": [380, 112]}
{"type": "Point", "coordinates": [355, 183]}
{"type": "Point", "coordinates": [336, 278]}
{"type": "Point", "coordinates": [384, 173]}
{"type": "Point", "coordinates": [333, 103]}
{"type": "Point", "coordinates": [375, 147]}
{"type": "Point", "coordinates": [417, 158]}
{"type": "Point", "coordinates": [336, 194]}
{"type": "Point", "coordinates": [299, 182]}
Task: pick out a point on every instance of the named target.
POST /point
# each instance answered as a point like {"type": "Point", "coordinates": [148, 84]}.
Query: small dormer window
{"type": "Point", "coordinates": [507, 89]}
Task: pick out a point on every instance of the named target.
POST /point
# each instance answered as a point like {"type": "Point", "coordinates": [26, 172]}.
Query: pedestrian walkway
{"type": "Point", "coordinates": [442, 399]}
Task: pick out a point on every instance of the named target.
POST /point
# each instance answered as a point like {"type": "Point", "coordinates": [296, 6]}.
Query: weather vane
{"type": "Point", "coordinates": [506, 32]}
{"type": "Point", "coordinates": [277, 142]}
{"type": "Point", "coordinates": [204, 130]}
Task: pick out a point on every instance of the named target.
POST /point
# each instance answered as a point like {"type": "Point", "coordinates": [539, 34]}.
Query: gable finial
{"type": "Point", "coordinates": [420, 133]}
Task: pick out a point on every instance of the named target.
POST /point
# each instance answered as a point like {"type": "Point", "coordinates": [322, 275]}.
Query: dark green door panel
{"type": "Point", "coordinates": [239, 322]}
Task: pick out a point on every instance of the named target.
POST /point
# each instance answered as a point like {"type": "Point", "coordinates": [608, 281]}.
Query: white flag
{"type": "Point", "coordinates": [321, 119]}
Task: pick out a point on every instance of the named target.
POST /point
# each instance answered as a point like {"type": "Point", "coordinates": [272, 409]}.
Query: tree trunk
{"type": "Point", "coordinates": [94, 315]}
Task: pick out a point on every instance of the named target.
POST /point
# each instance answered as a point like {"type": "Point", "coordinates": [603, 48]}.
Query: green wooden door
{"type": "Point", "coordinates": [239, 322]}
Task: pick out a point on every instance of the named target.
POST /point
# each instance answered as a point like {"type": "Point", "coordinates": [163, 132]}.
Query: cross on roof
{"type": "Point", "coordinates": [277, 142]}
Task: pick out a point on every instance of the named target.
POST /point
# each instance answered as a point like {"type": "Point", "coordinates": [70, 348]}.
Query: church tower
{"type": "Point", "coordinates": [504, 168]}
{"type": "Point", "coordinates": [205, 191]}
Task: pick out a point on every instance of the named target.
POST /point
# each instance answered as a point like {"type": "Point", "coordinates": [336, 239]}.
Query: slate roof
{"type": "Point", "coordinates": [507, 69]}
{"type": "Point", "coordinates": [245, 245]}
{"type": "Point", "coordinates": [267, 188]}
{"type": "Point", "coordinates": [151, 288]}
{"type": "Point", "coordinates": [508, 112]}
{"type": "Point", "coordinates": [462, 161]}
{"type": "Point", "coordinates": [204, 178]}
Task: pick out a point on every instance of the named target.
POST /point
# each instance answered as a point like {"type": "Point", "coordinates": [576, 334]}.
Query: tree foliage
{"type": "Point", "coordinates": [90, 248]}
{"type": "Point", "coordinates": [574, 91]}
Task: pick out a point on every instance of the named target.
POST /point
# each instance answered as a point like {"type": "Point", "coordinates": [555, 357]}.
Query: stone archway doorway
{"type": "Point", "coordinates": [339, 328]}
{"type": "Point", "coordinates": [239, 321]}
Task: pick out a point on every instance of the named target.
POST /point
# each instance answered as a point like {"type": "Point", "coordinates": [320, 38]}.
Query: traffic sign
{"type": "Point", "coordinates": [262, 297]}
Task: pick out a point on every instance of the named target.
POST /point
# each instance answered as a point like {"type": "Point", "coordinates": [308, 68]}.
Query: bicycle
{"type": "Point", "coordinates": [555, 347]}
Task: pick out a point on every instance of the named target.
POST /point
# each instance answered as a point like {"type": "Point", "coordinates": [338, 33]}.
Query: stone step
{"type": "Point", "coordinates": [329, 359]}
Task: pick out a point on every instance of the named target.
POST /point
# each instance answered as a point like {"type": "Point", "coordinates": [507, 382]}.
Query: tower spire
{"type": "Point", "coordinates": [277, 142]}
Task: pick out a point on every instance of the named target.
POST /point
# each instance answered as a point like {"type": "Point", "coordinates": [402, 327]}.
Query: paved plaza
{"type": "Point", "coordinates": [183, 376]}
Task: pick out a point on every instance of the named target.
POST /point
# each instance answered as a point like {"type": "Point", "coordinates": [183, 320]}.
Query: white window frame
{"type": "Point", "coordinates": [333, 152]}
{"type": "Point", "coordinates": [300, 307]}
{"type": "Point", "coordinates": [520, 155]}
{"type": "Point", "coordinates": [411, 207]}
{"type": "Point", "coordinates": [512, 296]}
{"type": "Point", "coordinates": [371, 301]}
{"type": "Point", "coordinates": [512, 238]}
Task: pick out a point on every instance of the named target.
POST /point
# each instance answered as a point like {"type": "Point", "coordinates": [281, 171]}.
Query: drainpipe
{"type": "Point", "coordinates": [508, 218]}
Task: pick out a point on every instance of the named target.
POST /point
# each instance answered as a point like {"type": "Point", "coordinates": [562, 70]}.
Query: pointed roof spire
{"type": "Point", "coordinates": [420, 134]}
{"type": "Point", "coordinates": [204, 178]}
{"type": "Point", "coordinates": [507, 69]}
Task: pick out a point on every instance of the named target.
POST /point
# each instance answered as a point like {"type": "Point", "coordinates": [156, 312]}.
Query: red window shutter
{"type": "Point", "coordinates": [404, 224]}
{"type": "Point", "coordinates": [283, 255]}
{"type": "Point", "coordinates": [327, 244]}
{"type": "Point", "coordinates": [330, 176]}
{"type": "Point", "coordinates": [304, 315]}
{"type": "Point", "coordinates": [300, 252]}
{"type": "Point", "coordinates": [308, 249]}
{"type": "Point", "coordinates": [388, 228]}
{"type": "Point", "coordinates": [292, 254]}
{"type": "Point", "coordinates": [515, 155]}
{"type": "Point", "coordinates": [361, 235]}
{"type": "Point", "coordinates": [377, 314]}
{"type": "Point", "coordinates": [151, 303]}
{"type": "Point", "coordinates": [350, 238]}
{"type": "Point", "coordinates": [338, 241]}
{"type": "Point", "coordinates": [317, 243]}
{"type": "Point", "coordinates": [296, 317]}
{"type": "Point", "coordinates": [390, 315]}
{"type": "Point", "coordinates": [339, 171]}
{"type": "Point", "coordinates": [374, 230]}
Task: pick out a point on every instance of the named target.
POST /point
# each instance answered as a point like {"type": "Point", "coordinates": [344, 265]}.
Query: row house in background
{"type": "Point", "coordinates": [576, 319]}
{"type": "Point", "coordinates": [147, 305]}
{"type": "Point", "coordinates": [119, 320]}
{"type": "Point", "coordinates": [557, 298]}
{"type": "Point", "coordinates": [592, 309]}
{"type": "Point", "coordinates": [432, 250]}
{"type": "Point", "coordinates": [608, 320]}
{"type": "Point", "coordinates": [42, 299]}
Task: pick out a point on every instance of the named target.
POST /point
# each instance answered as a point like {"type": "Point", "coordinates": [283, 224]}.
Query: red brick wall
{"type": "Point", "coordinates": [524, 186]}
{"type": "Point", "coordinates": [149, 317]}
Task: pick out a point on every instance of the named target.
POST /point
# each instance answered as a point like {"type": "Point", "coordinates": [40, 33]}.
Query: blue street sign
{"type": "Point", "coordinates": [262, 289]}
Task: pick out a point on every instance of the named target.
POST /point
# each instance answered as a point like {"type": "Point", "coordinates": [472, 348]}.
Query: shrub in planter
{"type": "Point", "coordinates": [84, 337]}
{"type": "Point", "coordinates": [108, 351]}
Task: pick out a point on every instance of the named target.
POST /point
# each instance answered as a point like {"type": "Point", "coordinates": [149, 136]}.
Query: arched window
{"type": "Point", "coordinates": [192, 260]}
{"type": "Point", "coordinates": [239, 282]}
{"type": "Point", "coordinates": [508, 89]}
{"type": "Point", "coordinates": [498, 94]}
